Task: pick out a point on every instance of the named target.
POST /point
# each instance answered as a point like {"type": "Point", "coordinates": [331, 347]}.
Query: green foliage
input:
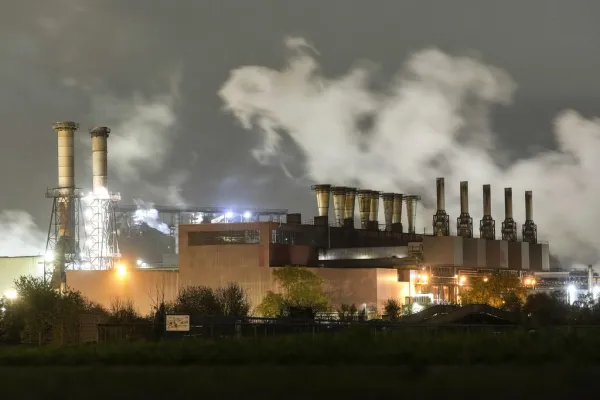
{"type": "Point", "coordinates": [40, 314]}
{"type": "Point", "coordinates": [301, 289]}
{"type": "Point", "coordinates": [392, 308]}
{"type": "Point", "coordinates": [272, 305]}
{"type": "Point", "coordinates": [230, 300]}
{"type": "Point", "coordinates": [500, 291]}
{"type": "Point", "coordinates": [356, 346]}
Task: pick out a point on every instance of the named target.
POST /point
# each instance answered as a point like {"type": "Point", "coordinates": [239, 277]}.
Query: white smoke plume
{"type": "Point", "coordinates": [433, 119]}
{"type": "Point", "coordinates": [19, 234]}
{"type": "Point", "coordinates": [143, 130]}
{"type": "Point", "coordinates": [146, 214]}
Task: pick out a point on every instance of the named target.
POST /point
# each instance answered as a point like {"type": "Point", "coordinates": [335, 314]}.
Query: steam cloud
{"type": "Point", "coordinates": [20, 235]}
{"type": "Point", "coordinates": [431, 120]}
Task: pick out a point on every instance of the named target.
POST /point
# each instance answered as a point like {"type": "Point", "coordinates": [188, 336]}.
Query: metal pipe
{"type": "Point", "coordinates": [339, 204]}
{"type": "Point", "coordinates": [397, 216]}
{"type": "Point", "coordinates": [441, 200]}
{"type": "Point", "coordinates": [66, 176]}
{"type": "Point", "coordinates": [364, 207]}
{"type": "Point", "coordinates": [374, 212]}
{"type": "Point", "coordinates": [322, 192]}
{"type": "Point", "coordinates": [528, 206]}
{"type": "Point", "coordinates": [350, 202]}
{"type": "Point", "coordinates": [464, 197]}
{"type": "Point", "coordinates": [99, 136]}
{"type": "Point", "coordinates": [508, 203]}
{"type": "Point", "coordinates": [487, 201]}
{"type": "Point", "coordinates": [388, 210]}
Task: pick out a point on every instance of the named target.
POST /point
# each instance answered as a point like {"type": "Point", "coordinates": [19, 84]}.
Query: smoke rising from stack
{"type": "Point", "coordinates": [436, 108]}
{"type": "Point", "coordinates": [20, 235]}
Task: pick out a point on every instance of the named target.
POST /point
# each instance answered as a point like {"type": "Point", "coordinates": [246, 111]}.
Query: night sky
{"type": "Point", "coordinates": [152, 71]}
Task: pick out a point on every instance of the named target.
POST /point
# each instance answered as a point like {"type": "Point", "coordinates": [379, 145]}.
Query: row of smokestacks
{"type": "Point", "coordinates": [487, 226]}
{"type": "Point", "coordinates": [344, 201]}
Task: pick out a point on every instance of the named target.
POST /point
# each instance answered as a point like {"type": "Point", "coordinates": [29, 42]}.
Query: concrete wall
{"type": "Point", "coordinates": [144, 287]}
{"type": "Point", "coordinates": [12, 268]}
{"type": "Point", "coordinates": [518, 255]}
{"type": "Point", "coordinates": [539, 257]}
{"type": "Point", "coordinates": [474, 252]}
{"type": "Point", "coordinates": [496, 254]}
{"type": "Point", "coordinates": [443, 250]}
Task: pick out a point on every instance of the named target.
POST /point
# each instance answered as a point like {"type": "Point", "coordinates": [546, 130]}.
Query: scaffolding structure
{"type": "Point", "coordinates": [63, 245]}
{"type": "Point", "coordinates": [102, 243]}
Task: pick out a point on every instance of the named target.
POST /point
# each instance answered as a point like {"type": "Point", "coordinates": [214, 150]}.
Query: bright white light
{"type": "Point", "coordinates": [596, 291]}
{"type": "Point", "coordinates": [3, 309]}
{"type": "Point", "coordinates": [88, 213]}
{"type": "Point", "coordinates": [11, 294]}
{"type": "Point", "coordinates": [247, 215]}
{"type": "Point", "coordinates": [228, 215]}
{"type": "Point", "coordinates": [49, 256]}
{"type": "Point", "coordinates": [571, 291]}
{"type": "Point", "coordinates": [139, 262]}
{"type": "Point", "coordinates": [416, 307]}
{"type": "Point", "coordinates": [144, 265]}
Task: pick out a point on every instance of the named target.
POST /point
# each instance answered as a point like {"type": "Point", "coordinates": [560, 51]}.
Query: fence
{"type": "Point", "coordinates": [218, 328]}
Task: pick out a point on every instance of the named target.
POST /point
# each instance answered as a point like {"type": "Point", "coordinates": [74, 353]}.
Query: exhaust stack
{"type": "Point", "coordinates": [509, 226]}
{"type": "Point", "coordinates": [411, 211]}
{"type": "Point", "coordinates": [464, 223]}
{"type": "Point", "coordinates": [529, 227]}
{"type": "Point", "coordinates": [99, 158]}
{"type": "Point", "coordinates": [66, 176]}
{"type": "Point", "coordinates": [323, 192]}
{"type": "Point", "coordinates": [441, 223]}
{"type": "Point", "coordinates": [397, 214]}
{"type": "Point", "coordinates": [487, 226]}
{"type": "Point", "coordinates": [388, 210]}
{"type": "Point", "coordinates": [339, 204]}
{"type": "Point", "coordinates": [349, 207]}
{"type": "Point", "coordinates": [374, 211]}
{"type": "Point", "coordinates": [364, 207]}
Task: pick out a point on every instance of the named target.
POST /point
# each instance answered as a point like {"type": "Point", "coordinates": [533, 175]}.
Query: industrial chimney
{"type": "Point", "coordinates": [509, 226]}
{"type": "Point", "coordinates": [397, 215]}
{"type": "Point", "coordinates": [339, 204]}
{"type": "Point", "coordinates": [411, 212]}
{"type": "Point", "coordinates": [529, 227]}
{"type": "Point", "coordinates": [99, 158]}
{"type": "Point", "coordinates": [364, 207]}
{"type": "Point", "coordinates": [349, 207]}
{"type": "Point", "coordinates": [441, 223]}
{"type": "Point", "coordinates": [464, 223]}
{"type": "Point", "coordinates": [66, 177]}
{"type": "Point", "coordinates": [322, 192]}
{"type": "Point", "coordinates": [487, 226]}
{"type": "Point", "coordinates": [388, 210]}
{"type": "Point", "coordinates": [374, 211]}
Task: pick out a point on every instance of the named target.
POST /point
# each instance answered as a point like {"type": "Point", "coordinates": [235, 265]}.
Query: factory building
{"type": "Point", "coordinates": [361, 262]}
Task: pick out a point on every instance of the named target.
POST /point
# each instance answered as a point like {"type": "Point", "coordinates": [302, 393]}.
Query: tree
{"type": "Point", "coordinates": [392, 309]}
{"type": "Point", "coordinates": [300, 289]}
{"type": "Point", "coordinates": [228, 301]}
{"type": "Point", "coordinates": [123, 311]}
{"type": "Point", "coordinates": [232, 301]}
{"type": "Point", "coordinates": [197, 300]}
{"type": "Point", "coordinates": [501, 291]}
{"type": "Point", "coordinates": [544, 309]}
{"type": "Point", "coordinates": [41, 314]}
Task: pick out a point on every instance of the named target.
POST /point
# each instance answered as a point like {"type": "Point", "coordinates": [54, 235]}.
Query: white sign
{"type": "Point", "coordinates": [178, 323]}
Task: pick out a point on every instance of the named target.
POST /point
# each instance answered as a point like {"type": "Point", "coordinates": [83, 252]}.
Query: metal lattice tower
{"type": "Point", "coordinates": [102, 243]}
{"type": "Point", "coordinates": [63, 245]}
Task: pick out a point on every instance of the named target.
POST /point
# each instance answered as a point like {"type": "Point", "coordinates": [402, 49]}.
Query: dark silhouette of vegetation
{"type": "Point", "coordinates": [392, 309]}
{"type": "Point", "coordinates": [228, 301]}
{"type": "Point", "coordinates": [350, 313]}
{"type": "Point", "coordinates": [301, 289]}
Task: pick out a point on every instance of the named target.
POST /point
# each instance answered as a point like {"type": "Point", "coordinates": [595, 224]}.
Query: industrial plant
{"type": "Point", "coordinates": [148, 253]}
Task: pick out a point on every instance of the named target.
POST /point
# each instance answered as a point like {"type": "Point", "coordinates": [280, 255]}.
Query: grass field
{"type": "Point", "coordinates": [296, 382]}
